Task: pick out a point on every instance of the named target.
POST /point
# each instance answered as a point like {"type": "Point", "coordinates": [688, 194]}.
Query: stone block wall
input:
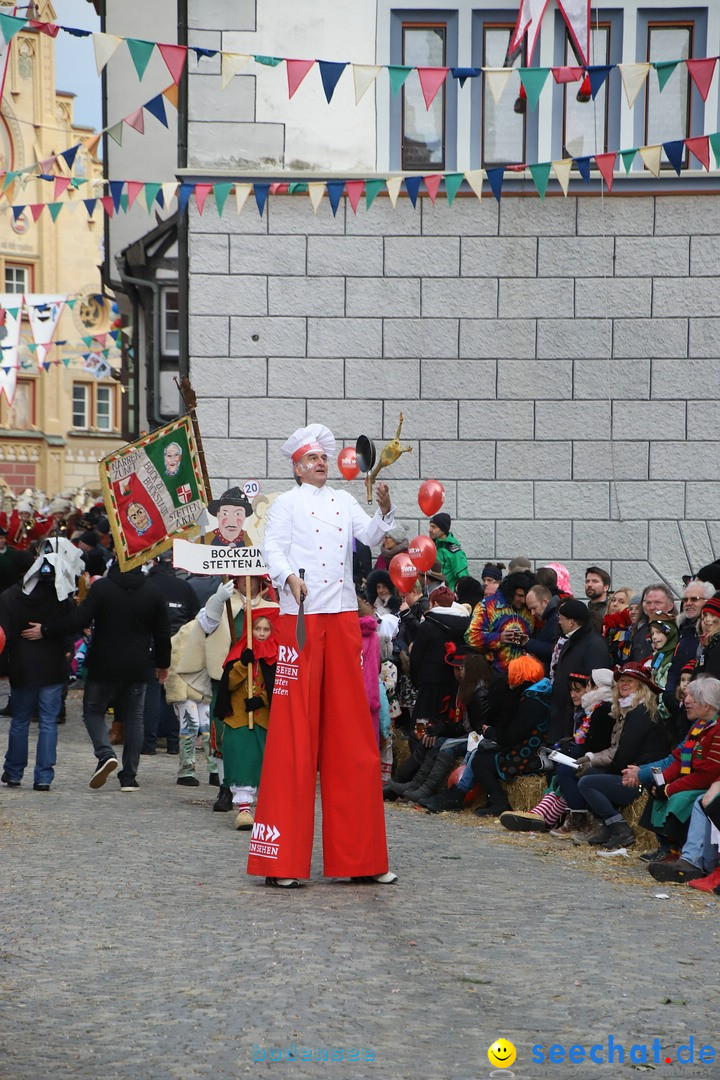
{"type": "Point", "coordinates": [557, 363]}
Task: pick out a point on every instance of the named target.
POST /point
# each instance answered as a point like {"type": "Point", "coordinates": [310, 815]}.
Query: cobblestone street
{"type": "Point", "coordinates": [134, 946]}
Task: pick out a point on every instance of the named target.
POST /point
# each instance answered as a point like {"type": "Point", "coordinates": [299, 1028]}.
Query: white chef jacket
{"type": "Point", "coordinates": [313, 527]}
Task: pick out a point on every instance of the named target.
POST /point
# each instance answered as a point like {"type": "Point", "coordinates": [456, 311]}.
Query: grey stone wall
{"type": "Point", "coordinates": [556, 362]}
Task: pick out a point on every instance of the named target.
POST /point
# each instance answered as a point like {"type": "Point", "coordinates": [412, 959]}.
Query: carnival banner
{"type": "Point", "coordinates": [44, 313]}
{"type": "Point", "coordinates": [10, 318]}
{"type": "Point", "coordinates": [154, 492]}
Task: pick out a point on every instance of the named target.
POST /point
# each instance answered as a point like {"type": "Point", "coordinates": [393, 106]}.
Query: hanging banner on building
{"type": "Point", "coordinates": [44, 313]}
{"type": "Point", "coordinates": [10, 318]}
{"type": "Point", "coordinates": [5, 54]}
{"type": "Point", "coordinates": [234, 560]}
{"type": "Point", "coordinates": [154, 492]}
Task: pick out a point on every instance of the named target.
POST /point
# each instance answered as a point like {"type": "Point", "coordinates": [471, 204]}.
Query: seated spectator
{"type": "Point", "coordinates": [688, 623]}
{"type": "Point", "coordinates": [656, 599]}
{"type": "Point", "coordinates": [501, 622]}
{"type": "Point", "coordinates": [638, 736]}
{"type": "Point", "coordinates": [491, 576]}
{"type": "Point", "coordinates": [582, 651]}
{"type": "Point", "coordinates": [709, 655]}
{"type": "Point", "coordinates": [394, 542]}
{"type": "Point", "coordinates": [543, 606]}
{"type": "Point", "coordinates": [597, 588]}
{"type": "Point", "coordinates": [452, 558]}
{"type": "Point", "coordinates": [675, 703]}
{"type": "Point", "coordinates": [381, 593]}
{"type": "Point", "coordinates": [469, 593]}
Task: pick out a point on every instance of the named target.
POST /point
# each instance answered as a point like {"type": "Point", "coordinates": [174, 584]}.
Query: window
{"type": "Point", "coordinates": [170, 322]}
{"type": "Point", "coordinates": [81, 405]}
{"type": "Point", "coordinates": [104, 420]}
{"type": "Point", "coordinates": [423, 130]}
{"type": "Point", "coordinates": [503, 130]}
{"type": "Point", "coordinates": [667, 115]}
{"type": "Point", "coordinates": [16, 279]}
{"type": "Point", "coordinates": [585, 123]}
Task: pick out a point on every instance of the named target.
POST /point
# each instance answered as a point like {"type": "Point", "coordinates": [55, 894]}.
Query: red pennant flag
{"type": "Point", "coordinates": [36, 210]}
{"type": "Point", "coordinates": [51, 29]}
{"type": "Point", "coordinates": [700, 147]}
{"type": "Point", "coordinates": [296, 72]}
{"type": "Point", "coordinates": [62, 183]}
{"type": "Point", "coordinates": [108, 205]}
{"type": "Point", "coordinates": [174, 57]}
{"type": "Point", "coordinates": [134, 187]}
{"type": "Point", "coordinates": [606, 165]}
{"type": "Point", "coordinates": [431, 79]}
{"type": "Point", "coordinates": [701, 73]}
{"type": "Point", "coordinates": [101, 338]}
{"type": "Point", "coordinates": [567, 74]}
{"type": "Point", "coordinates": [279, 189]}
{"type": "Point", "coordinates": [432, 183]}
{"type": "Point", "coordinates": [201, 193]}
{"type": "Point", "coordinates": [135, 120]}
{"type": "Point", "coordinates": [354, 189]}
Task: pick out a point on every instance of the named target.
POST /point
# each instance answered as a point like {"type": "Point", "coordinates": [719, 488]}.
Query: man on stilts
{"type": "Point", "coordinates": [320, 715]}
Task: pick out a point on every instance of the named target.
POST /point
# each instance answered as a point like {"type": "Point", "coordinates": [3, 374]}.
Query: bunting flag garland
{"type": "Point", "coordinates": [701, 72]}
{"type": "Point", "coordinates": [364, 75]}
{"type": "Point", "coordinates": [10, 317]}
{"type": "Point", "coordinates": [431, 79]}
{"type": "Point", "coordinates": [633, 79]}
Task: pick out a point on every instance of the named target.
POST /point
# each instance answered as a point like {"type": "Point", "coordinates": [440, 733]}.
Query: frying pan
{"type": "Point", "coordinates": [365, 453]}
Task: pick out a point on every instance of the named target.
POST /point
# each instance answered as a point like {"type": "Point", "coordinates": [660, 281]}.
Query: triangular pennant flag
{"type": "Point", "coordinates": [160, 199]}
{"type": "Point", "coordinates": [36, 210]}
{"type": "Point", "coordinates": [90, 206]}
{"type": "Point", "coordinates": [17, 212]}
{"type": "Point", "coordinates": [714, 141]}
{"type": "Point", "coordinates": [432, 183]}
{"type": "Point", "coordinates": [172, 95]}
{"type": "Point", "coordinates": [8, 179]}
{"type": "Point", "coordinates": [174, 57]}
{"type": "Point", "coordinates": [628, 156]}
{"type": "Point", "coordinates": [91, 144]}
{"type": "Point", "coordinates": [135, 120]}
{"type": "Point", "coordinates": [699, 147]}
{"type": "Point", "coordinates": [51, 29]}
{"type": "Point", "coordinates": [116, 132]}
{"type": "Point", "coordinates": [169, 191]}
{"type": "Point", "coordinates": [597, 74]}
{"type": "Point", "coordinates": [576, 15]}
{"type": "Point", "coordinates": [62, 183]}
{"type": "Point", "coordinates": [651, 158]}
{"type": "Point", "coordinates": [267, 61]}
{"type": "Point", "coordinates": [563, 75]}
{"type": "Point", "coordinates": [496, 80]}
{"type": "Point", "coordinates": [452, 185]}
{"type": "Point", "coordinates": [701, 73]}
{"type": "Point", "coordinates": [364, 75]}
{"type": "Point", "coordinates": [583, 167]}
{"type": "Point", "coordinates": [495, 180]}
{"type": "Point", "coordinates": [10, 26]}
{"type": "Point", "coordinates": [55, 208]}
{"type": "Point", "coordinates": [461, 74]}
{"type": "Point", "coordinates": [412, 186]}
{"type": "Point", "coordinates": [88, 340]}
{"type": "Point", "coordinates": [231, 64]}
{"type": "Point", "coordinates": [372, 190]}
{"type": "Point", "coordinates": [675, 151]}
{"type": "Point", "coordinates": [201, 193]}
{"type": "Point", "coordinates": [541, 174]}
{"type": "Point", "coordinates": [335, 189]}
{"type": "Point", "coordinates": [475, 180]}
{"type": "Point", "coordinates": [354, 189]}
{"type": "Point", "coordinates": [533, 79]}
{"type": "Point", "coordinates": [116, 190]}
{"type": "Point", "coordinates": [105, 45]}
{"type": "Point", "coordinates": [66, 360]}
{"type": "Point", "coordinates": [398, 73]}
{"type": "Point", "coordinates": [316, 191]}
{"type": "Point", "coordinates": [69, 155]}
{"type": "Point", "coordinates": [562, 172]}
{"type": "Point", "coordinates": [393, 185]}
{"type": "Point", "coordinates": [633, 79]}
{"type": "Point", "coordinates": [296, 72]}
{"type": "Point", "coordinates": [10, 191]}
{"type": "Point", "coordinates": [221, 192]}
{"type": "Point", "coordinates": [664, 69]}
{"type": "Point", "coordinates": [431, 79]}
{"type": "Point", "coordinates": [140, 51]}
{"type": "Point", "coordinates": [156, 108]}
{"type": "Point", "coordinates": [186, 191]}
{"type": "Point", "coordinates": [606, 167]}
{"type": "Point", "coordinates": [43, 312]}
{"type": "Point", "coordinates": [107, 205]}
{"type": "Point", "coordinates": [261, 194]}
{"type": "Point", "coordinates": [242, 192]}
{"type": "Point", "coordinates": [151, 194]}
{"type": "Point", "coordinates": [330, 73]}
{"type": "Point", "coordinates": [134, 187]}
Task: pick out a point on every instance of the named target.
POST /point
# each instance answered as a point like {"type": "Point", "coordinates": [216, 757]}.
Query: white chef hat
{"type": "Point", "coordinates": [314, 437]}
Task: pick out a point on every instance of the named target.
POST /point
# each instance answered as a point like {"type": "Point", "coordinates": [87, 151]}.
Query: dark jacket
{"type": "Point", "coordinates": [33, 663]}
{"type": "Point", "coordinates": [131, 629]}
{"type": "Point", "coordinates": [710, 662]}
{"type": "Point", "coordinates": [582, 652]}
{"type": "Point", "coordinates": [542, 643]}
{"type": "Point", "coordinates": [381, 577]}
{"type": "Point", "coordinates": [427, 658]}
{"type": "Point", "coordinates": [641, 645]}
{"type": "Point", "coordinates": [179, 596]}
{"type": "Point", "coordinates": [411, 618]}
{"type": "Point", "coordinates": [642, 740]}
{"type": "Point", "coordinates": [515, 713]}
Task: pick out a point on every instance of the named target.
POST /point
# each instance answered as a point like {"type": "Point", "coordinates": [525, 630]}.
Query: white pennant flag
{"type": "Point", "coordinates": [651, 158]}
{"type": "Point", "coordinates": [393, 185]}
{"type": "Point", "coordinates": [11, 314]}
{"type": "Point", "coordinates": [576, 14]}
{"type": "Point", "coordinates": [169, 191]}
{"type": "Point", "coordinates": [633, 79]}
{"type": "Point", "coordinates": [562, 172]}
{"type": "Point", "coordinates": [44, 311]}
{"type": "Point", "coordinates": [241, 195]}
{"type": "Point", "coordinates": [475, 180]}
{"type": "Point", "coordinates": [105, 45]}
{"type": "Point", "coordinates": [364, 75]}
{"type": "Point", "coordinates": [231, 64]}
{"type": "Point", "coordinates": [497, 80]}
{"type": "Point", "coordinates": [316, 191]}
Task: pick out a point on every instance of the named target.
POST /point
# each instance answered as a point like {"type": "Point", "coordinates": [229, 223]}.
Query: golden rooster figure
{"type": "Point", "coordinates": [389, 456]}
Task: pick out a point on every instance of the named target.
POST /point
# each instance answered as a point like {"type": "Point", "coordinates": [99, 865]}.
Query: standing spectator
{"type": "Point", "coordinates": [394, 543]}
{"type": "Point", "coordinates": [130, 645]}
{"type": "Point", "coordinates": [543, 606]}
{"type": "Point", "coordinates": [453, 560]}
{"type": "Point", "coordinates": [656, 599]}
{"type": "Point", "coordinates": [695, 595]}
{"type": "Point", "coordinates": [562, 575]}
{"type": "Point", "coordinates": [500, 623]}
{"type": "Point", "coordinates": [469, 593]}
{"type": "Point", "coordinates": [597, 587]}
{"type": "Point", "coordinates": [520, 565]}
{"type": "Point", "coordinates": [709, 656]}
{"type": "Point", "coordinates": [491, 577]}
{"type": "Point", "coordinates": [411, 612]}
{"type": "Point", "coordinates": [617, 625]}
{"type": "Point", "coordinates": [381, 593]}
{"type": "Point", "coordinates": [11, 563]}
{"type": "Point", "coordinates": [582, 651]}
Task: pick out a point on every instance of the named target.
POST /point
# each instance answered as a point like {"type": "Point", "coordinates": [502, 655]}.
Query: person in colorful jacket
{"type": "Point", "coordinates": [453, 560]}
{"type": "Point", "coordinates": [501, 622]}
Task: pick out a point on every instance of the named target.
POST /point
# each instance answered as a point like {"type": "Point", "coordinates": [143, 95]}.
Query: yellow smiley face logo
{"type": "Point", "coordinates": [502, 1054]}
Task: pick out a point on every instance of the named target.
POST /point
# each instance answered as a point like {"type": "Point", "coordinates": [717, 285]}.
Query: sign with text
{"type": "Point", "coordinates": [235, 561]}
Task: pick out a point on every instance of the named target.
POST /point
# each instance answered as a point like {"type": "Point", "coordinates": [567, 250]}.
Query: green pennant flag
{"type": "Point", "coordinates": [453, 180]}
{"type": "Point", "coordinates": [541, 174]}
{"type": "Point", "coordinates": [66, 360]}
{"type": "Point", "coordinates": [140, 51]}
{"type": "Point", "coordinates": [715, 144]}
{"type": "Point", "coordinates": [372, 190]}
{"type": "Point", "coordinates": [628, 156]}
{"type": "Point", "coordinates": [116, 132]}
{"type": "Point", "coordinates": [151, 192]}
{"type": "Point", "coordinates": [87, 340]}
{"type": "Point", "coordinates": [10, 25]}
{"type": "Point", "coordinates": [533, 79]}
{"type": "Point", "coordinates": [9, 177]}
{"type": "Point", "coordinates": [221, 192]}
{"type": "Point", "coordinates": [398, 74]}
{"type": "Point", "coordinates": [31, 346]}
{"type": "Point", "coordinates": [106, 353]}
{"type": "Point", "coordinates": [124, 202]}
{"type": "Point", "coordinates": [297, 189]}
{"type": "Point", "coordinates": [268, 61]}
{"type": "Point", "coordinates": [55, 208]}
{"type": "Point", "coordinates": [664, 70]}
{"type": "Point", "coordinates": [13, 312]}
{"type": "Point", "coordinates": [77, 182]}
{"type": "Point", "coordinates": [72, 302]}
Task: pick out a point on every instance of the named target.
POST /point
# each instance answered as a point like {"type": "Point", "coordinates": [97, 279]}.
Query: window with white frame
{"type": "Point", "coordinates": [423, 129]}
{"type": "Point", "coordinates": [81, 406]}
{"type": "Point", "coordinates": [17, 278]}
{"type": "Point", "coordinates": [104, 408]}
{"type": "Point", "coordinates": [170, 344]}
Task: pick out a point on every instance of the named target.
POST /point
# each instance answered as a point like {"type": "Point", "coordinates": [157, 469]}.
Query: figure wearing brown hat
{"type": "Point", "coordinates": [231, 511]}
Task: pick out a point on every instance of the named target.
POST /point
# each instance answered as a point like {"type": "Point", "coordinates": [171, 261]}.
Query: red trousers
{"type": "Point", "coordinates": [320, 719]}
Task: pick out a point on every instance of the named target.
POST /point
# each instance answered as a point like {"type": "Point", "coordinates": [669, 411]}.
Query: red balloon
{"type": "Point", "coordinates": [431, 496]}
{"type": "Point", "coordinates": [347, 463]}
{"type": "Point", "coordinates": [403, 573]}
{"type": "Point", "coordinates": [422, 552]}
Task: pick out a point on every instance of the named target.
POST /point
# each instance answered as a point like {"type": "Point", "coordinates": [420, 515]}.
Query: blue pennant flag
{"type": "Point", "coordinates": [75, 32]}
{"type": "Point", "coordinates": [116, 187]}
{"type": "Point", "coordinates": [17, 211]}
{"type": "Point", "coordinates": [186, 190]}
{"type": "Point", "coordinates": [597, 74]}
{"type": "Point", "coordinates": [330, 72]}
{"type": "Point", "coordinates": [90, 205]}
{"type": "Point", "coordinates": [583, 167]}
{"type": "Point", "coordinates": [335, 190]}
{"type": "Point", "coordinates": [495, 180]}
{"type": "Point", "coordinates": [156, 108]}
{"type": "Point", "coordinates": [412, 186]}
{"type": "Point", "coordinates": [261, 194]}
{"type": "Point", "coordinates": [70, 155]}
{"type": "Point", "coordinates": [200, 53]}
{"type": "Point", "coordinates": [464, 73]}
{"type": "Point", "coordinates": [675, 151]}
